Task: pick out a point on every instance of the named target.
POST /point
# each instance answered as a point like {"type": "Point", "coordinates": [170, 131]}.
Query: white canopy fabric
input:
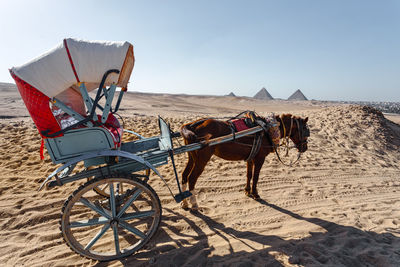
{"type": "Point", "coordinates": [53, 74]}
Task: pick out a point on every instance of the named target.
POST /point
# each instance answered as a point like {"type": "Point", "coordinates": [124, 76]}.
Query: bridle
{"type": "Point", "coordinates": [303, 132]}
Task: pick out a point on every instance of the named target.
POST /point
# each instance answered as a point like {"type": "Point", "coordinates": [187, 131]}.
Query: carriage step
{"type": "Point", "coordinates": [181, 196]}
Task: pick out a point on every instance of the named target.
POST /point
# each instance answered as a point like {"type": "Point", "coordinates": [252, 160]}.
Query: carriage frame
{"type": "Point", "coordinates": [115, 212]}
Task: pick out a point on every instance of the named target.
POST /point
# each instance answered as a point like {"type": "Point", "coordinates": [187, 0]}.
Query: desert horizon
{"type": "Point", "coordinates": [338, 206]}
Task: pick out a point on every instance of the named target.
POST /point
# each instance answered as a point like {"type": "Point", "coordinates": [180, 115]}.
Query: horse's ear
{"type": "Point", "coordinates": [306, 120]}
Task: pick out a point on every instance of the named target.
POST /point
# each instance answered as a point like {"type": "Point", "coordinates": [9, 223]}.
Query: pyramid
{"type": "Point", "coordinates": [298, 95]}
{"type": "Point", "coordinates": [263, 94]}
{"type": "Point", "coordinates": [231, 94]}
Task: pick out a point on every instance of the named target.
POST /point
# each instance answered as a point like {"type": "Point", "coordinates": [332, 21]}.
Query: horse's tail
{"type": "Point", "coordinates": [188, 134]}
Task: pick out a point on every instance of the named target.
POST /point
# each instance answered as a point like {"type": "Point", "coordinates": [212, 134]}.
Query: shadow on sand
{"type": "Point", "coordinates": [339, 246]}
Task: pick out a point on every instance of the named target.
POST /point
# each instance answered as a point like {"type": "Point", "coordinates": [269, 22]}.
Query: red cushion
{"type": "Point", "coordinates": [114, 127]}
{"type": "Point", "coordinates": [240, 125]}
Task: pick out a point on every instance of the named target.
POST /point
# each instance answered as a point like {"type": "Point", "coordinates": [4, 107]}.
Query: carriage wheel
{"type": "Point", "coordinates": [103, 189]}
{"type": "Point", "coordinates": [107, 228]}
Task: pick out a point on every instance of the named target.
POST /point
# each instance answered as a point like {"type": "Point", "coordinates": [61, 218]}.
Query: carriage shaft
{"type": "Point", "coordinates": [217, 140]}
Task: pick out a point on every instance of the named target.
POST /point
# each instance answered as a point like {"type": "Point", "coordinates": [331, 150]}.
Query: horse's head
{"type": "Point", "coordinates": [296, 129]}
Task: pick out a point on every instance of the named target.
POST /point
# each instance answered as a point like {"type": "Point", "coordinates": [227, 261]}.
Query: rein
{"type": "Point", "coordinates": [286, 137]}
{"type": "Point", "coordinates": [286, 141]}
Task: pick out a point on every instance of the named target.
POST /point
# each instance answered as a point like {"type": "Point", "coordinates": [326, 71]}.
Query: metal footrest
{"type": "Point", "coordinates": [181, 196]}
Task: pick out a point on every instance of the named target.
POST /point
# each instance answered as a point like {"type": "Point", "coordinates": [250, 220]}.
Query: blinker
{"type": "Point", "coordinates": [306, 131]}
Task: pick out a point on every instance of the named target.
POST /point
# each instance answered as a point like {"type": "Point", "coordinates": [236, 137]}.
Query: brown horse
{"type": "Point", "coordinates": [290, 126]}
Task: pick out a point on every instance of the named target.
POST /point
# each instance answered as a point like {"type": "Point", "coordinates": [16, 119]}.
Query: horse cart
{"type": "Point", "coordinates": [70, 93]}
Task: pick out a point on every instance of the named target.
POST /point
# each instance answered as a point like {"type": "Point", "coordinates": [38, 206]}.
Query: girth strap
{"type": "Point", "coordinates": [233, 130]}
{"type": "Point", "coordinates": [256, 145]}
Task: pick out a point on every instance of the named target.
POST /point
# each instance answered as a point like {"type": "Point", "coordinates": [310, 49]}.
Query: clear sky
{"type": "Point", "coordinates": [331, 50]}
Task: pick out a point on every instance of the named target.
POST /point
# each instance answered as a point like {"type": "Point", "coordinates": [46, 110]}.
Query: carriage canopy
{"type": "Point", "coordinates": [58, 72]}
{"type": "Point", "coordinates": [78, 61]}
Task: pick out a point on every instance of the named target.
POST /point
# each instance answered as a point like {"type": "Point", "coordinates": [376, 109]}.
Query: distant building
{"type": "Point", "coordinates": [298, 95]}
{"type": "Point", "coordinates": [231, 94]}
{"type": "Point", "coordinates": [263, 95]}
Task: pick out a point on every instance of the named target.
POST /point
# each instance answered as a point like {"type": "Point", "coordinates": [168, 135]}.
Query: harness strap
{"type": "Point", "coordinates": [233, 130]}
{"type": "Point", "coordinates": [286, 142]}
{"type": "Point", "coordinates": [256, 146]}
{"type": "Point", "coordinates": [286, 137]}
{"type": "Point", "coordinates": [283, 126]}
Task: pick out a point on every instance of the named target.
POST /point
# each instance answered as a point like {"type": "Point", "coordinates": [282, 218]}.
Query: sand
{"type": "Point", "coordinates": [339, 206]}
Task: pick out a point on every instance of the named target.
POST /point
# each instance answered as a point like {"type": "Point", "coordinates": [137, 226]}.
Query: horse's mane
{"type": "Point", "coordinates": [283, 117]}
{"type": "Point", "coordinates": [287, 116]}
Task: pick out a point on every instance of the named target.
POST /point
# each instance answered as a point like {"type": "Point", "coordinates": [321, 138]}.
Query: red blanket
{"type": "Point", "coordinates": [239, 124]}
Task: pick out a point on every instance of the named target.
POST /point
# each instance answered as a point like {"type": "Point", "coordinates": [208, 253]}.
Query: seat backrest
{"type": "Point", "coordinates": [77, 142]}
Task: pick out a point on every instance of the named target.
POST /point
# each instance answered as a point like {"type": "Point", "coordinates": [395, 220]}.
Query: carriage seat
{"type": "Point", "coordinates": [82, 140]}
{"type": "Point", "coordinates": [113, 126]}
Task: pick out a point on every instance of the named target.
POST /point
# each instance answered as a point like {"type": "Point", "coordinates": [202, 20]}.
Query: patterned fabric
{"type": "Point", "coordinates": [114, 127]}
{"type": "Point", "coordinates": [239, 125]}
{"type": "Point", "coordinates": [273, 129]}
{"type": "Point", "coordinates": [275, 134]}
{"type": "Point", "coordinates": [38, 106]}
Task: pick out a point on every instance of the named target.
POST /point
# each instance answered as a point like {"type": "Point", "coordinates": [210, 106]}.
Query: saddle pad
{"type": "Point", "coordinates": [239, 124]}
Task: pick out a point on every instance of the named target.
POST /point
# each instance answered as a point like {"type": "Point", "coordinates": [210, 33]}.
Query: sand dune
{"type": "Point", "coordinates": [339, 206]}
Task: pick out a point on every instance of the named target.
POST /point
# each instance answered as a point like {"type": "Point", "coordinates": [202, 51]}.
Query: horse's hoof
{"type": "Point", "coordinates": [256, 196]}
{"type": "Point", "coordinates": [247, 192]}
{"type": "Point", "coordinates": [184, 206]}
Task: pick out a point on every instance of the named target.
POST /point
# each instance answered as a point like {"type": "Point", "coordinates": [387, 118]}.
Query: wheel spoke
{"type": "Point", "coordinates": [97, 236]}
{"type": "Point", "coordinates": [98, 205]}
{"type": "Point", "coordinates": [136, 215]}
{"type": "Point", "coordinates": [104, 187]}
{"type": "Point", "coordinates": [132, 229]}
{"type": "Point", "coordinates": [90, 222]}
{"type": "Point", "coordinates": [120, 188]}
{"type": "Point", "coordinates": [116, 239]}
{"type": "Point", "coordinates": [99, 210]}
{"type": "Point", "coordinates": [112, 200]}
{"type": "Point", "coordinates": [129, 202]}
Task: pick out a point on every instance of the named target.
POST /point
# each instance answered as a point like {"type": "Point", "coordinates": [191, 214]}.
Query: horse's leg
{"type": "Point", "coordinates": [185, 174]}
{"type": "Point", "coordinates": [258, 162]}
{"type": "Point", "coordinates": [250, 165]}
{"type": "Point", "coordinates": [188, 169]}
{"type": "Point", "coordinates": [200, 162]}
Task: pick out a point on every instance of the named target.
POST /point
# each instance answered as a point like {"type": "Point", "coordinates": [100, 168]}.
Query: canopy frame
{"type": "Point", "coordinates": [91, 119]}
